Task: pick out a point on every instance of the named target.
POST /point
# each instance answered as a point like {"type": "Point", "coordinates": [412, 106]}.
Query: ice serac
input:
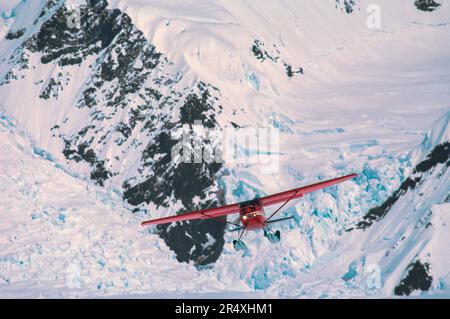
{"type": "Point", "coordinates": [417, 215]}
{"type": "Point", "coordinates": [76, 237]}
{"type": "Point", "coordinates": [100, 102]}
{"type": "Point", "coordinates": [438, 158]}
{"type": "Point", "coordinates": [111, 103]}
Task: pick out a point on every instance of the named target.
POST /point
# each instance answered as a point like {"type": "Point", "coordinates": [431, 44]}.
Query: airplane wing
{"type": "Point", "coordinates": [299, 192]}
{"type": "Point", "coordinates": [199, 214]}
{"type": "Point", "coordinates": [235, 208]}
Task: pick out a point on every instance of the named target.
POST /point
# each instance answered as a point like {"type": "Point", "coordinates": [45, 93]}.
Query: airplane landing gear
{"type": "Point", "coordinates": [239, 245]}
{"type": "Point", "coordinates": [273, 237]}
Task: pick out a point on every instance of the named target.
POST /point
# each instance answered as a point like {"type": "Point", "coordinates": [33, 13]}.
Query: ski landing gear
{"type": "Point", "coordinates": [239, 245]}
{"type": "Point", "coordinates": [273, 237]}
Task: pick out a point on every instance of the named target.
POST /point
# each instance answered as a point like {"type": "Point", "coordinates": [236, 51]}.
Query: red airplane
{"type": "Point", "coordinates": [251, 213]}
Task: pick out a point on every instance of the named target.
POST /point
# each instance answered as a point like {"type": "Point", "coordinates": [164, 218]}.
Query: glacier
{"type": "Point", "coordinates": [373, 101]}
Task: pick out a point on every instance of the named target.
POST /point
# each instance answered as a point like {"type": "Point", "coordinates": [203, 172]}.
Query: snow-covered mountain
{"type": "Point", "coordinates": [91, 91]}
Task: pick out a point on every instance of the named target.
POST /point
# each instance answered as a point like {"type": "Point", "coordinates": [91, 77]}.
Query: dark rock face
{"type": "Point", "coordinates": [262, 54]}
{"type": "Point", "coordinates": [201, 241]}
{"type": "Point", "coordinates": [290, 72]}
{"type": "Point", "coordinates": [439, 155]}
{"type": "Point", "coordinates": [447, 200]}
{"type": "Point", "coordinates": [427, 5]}
{"type": "Point", "coordinates": [15, 34]}
{"type": "Point", "coordinates": [418, 278]}
{"type": "Point", "coordinates": [347, 5]}
{"type": "Point", "coordinates": [134, 104]}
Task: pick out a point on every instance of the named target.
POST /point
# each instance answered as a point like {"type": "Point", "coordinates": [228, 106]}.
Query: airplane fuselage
{"type": "Point", "coordinates": [253, 221]}
{"type": "Point", "coordinates": [252, 215]}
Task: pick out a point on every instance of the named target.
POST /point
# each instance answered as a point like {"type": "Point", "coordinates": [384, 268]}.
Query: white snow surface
{"type": "Point", "coordinates": [373, 102]}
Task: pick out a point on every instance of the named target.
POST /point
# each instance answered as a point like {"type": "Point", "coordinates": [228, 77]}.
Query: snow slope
{"type": "Point", "coordinates": [366, 102]}
{"type": "Point", "coordinates": [64, 237]}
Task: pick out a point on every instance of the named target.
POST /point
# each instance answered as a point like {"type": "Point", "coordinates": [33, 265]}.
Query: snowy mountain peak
{"type": "Point", "coordinates": [95, 96]}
